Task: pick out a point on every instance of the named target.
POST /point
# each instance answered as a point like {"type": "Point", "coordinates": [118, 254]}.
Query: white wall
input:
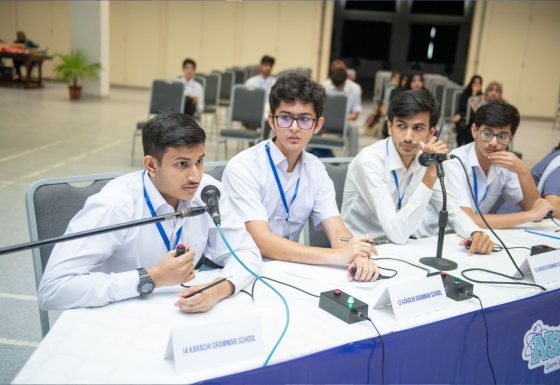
{"type": "Point", "coordinates": [518, 44]}
{"type": "Point", "coordinates": [151, 39]}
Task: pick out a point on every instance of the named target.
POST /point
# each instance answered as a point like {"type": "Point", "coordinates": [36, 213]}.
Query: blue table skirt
{"type": "Point", "coordinates": [447, 351]}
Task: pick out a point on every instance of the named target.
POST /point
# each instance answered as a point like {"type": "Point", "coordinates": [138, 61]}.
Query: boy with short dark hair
{"type": "Point", "coordinates": [495, 172]}
{"type": "Point", "coordinates": [119, 265]}
{"type": "Point", "coordinates": [387, 192]}
{"type": "Point", "coordinates": [276, 186]}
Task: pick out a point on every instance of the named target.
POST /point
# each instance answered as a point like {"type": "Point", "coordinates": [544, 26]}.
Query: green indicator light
{"type": "Point", "coordinates": [457, 280]}
{"type": "Point", "coordinates": [350, 300]}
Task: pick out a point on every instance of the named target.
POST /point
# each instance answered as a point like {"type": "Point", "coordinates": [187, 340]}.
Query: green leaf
{"type": "Point", "coordinates": [74, 66]}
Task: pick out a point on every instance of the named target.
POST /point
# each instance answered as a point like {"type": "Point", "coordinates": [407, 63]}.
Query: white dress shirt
{"type": "Point", "coordinates": [96, 270]}
{"type": "Point", "coordinates": [370, 198]}
{"type": "Point", "coordinates": [498, 182]}
{"type": "Point", "coordinates": [352, 90]}
{"type": "Point", "coordinates": [194, 88]}
{"type": "Point", "coordinates": [258, 81]}
{"type": "Point", "coordinates": [249, 181]}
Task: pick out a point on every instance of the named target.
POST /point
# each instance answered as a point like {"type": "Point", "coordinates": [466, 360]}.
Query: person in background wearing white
{"type": "Point", "coordinates": [263, 79]}
{"type": "Point", "coordinates": [194, 93]}
{"type": "Point", "coordinates": [339, 82]}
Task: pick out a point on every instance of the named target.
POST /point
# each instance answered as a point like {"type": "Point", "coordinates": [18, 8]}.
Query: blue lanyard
{"type": "Point", "coordinates": [158, 224]}
{"type": "Point", "coordinates": [279, 184]}
{"type": "Point", "coordinates": [475, 183]}
{"type": "Point", "coordinates": [400, 197]}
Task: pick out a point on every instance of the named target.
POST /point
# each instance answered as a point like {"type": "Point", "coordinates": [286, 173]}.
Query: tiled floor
{"type": "Point", "coordinates": [43, 134]}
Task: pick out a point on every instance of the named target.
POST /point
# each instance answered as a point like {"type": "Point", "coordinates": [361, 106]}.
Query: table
{"type": "Point", "coordinates": [125, 342]}
{"type": "Point", "coordinates": [28, 60]}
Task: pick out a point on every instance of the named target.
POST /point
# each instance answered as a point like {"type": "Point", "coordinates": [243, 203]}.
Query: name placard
{"type": "Point", "coordinates": [411, 299]}
{"type": "Point", "coordinates": [211, 345]}
{"type": "Point", "coordinates": [545, 267]}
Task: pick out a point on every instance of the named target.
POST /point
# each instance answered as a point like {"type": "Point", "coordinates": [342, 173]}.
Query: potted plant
{"type": "Point", "coordinates": [75, 66]}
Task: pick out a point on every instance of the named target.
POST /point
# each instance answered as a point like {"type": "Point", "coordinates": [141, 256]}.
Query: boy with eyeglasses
{"type": "Point", "coordinates": [389, 194]}
{"type": "Point", "coordinates": [275, 186]}
{"type": "Point", "coordinates": [494, 172]}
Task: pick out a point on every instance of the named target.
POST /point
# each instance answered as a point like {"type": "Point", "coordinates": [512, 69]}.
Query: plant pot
{"type": "Point", "coordinates": [75, 92]}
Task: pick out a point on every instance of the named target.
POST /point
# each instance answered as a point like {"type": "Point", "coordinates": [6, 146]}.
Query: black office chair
{"type": "Point", "coordinates": [51, 204]}
{"type": "Point", "coordinates": [247, 108]}
{"type": "Point", "coordinates": [337, 169]}
{"type": "Point", "coordinates": [333, 134]}
{"type": "Point", "coordinates": [166, 96]}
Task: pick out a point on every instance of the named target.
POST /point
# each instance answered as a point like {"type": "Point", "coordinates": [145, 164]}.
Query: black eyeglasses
{"type": "Point", "coordinates": [303, 122]}
{"type": "Point", "coordinates": [502, 137]}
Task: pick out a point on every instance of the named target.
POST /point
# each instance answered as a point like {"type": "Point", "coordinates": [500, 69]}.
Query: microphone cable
{"type": "Point", "coordinates": [371, 354]}
{"type": "Point", "coordinates": [513, 278]}
{"type": "Point", "coordinates": [359, 315]}
{"type": "Point", "coordinates": [487, 333]}
{"type": "Point", "coordinates": [257, 277]}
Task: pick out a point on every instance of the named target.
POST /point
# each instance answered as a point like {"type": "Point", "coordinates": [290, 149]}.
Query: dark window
{"type": "Point", "coordinates": [433, 43]}
{"type": "Point", "coordinates": [380, 6]}
{"type": "Point", "coordinates": [366, 40]}
{"type": "Point", "coordinates": [438, 7]}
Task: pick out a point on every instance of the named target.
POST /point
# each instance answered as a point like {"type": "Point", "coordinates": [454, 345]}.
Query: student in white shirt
{"type": "Point", "coordinates": [387, 191]}
{"type": "Point", "coordinates": [339, 82]}
{"type": "Point", "coordinates": [495, 172]}
{"type": "Point", "coordinates": [115, 266]}
{"type": "Point", "coordinates": [276, 186]}
{"type": "Point", "coordinates": [194, 93]}
{"type": "Point", "coordinates": [263, 79]}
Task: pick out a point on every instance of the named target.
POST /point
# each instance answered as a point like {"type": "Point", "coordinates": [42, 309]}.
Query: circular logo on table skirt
{"type": "Point", "coordinates": [541, 347]}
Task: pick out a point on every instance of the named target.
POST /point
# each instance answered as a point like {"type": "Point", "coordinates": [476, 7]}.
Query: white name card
{"type": "Point", "coordinates": [545, 267]}
{"type": "Point", "coordinates": [214, 345]}
{"type": "Point", "coordinates": [411, 299]}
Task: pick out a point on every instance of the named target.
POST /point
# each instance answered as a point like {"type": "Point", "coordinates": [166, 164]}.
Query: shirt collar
{"type": "Point", "coordinates": [159, 203]}
{"type": "Point", "coordinates": [278, 158]}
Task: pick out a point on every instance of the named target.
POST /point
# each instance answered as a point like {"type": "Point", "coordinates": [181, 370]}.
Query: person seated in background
{"type": "Point", "coordinates": [473, 89]}
{"type": "Point", "coordinates": [194, 93]}
{"type": "Point", "coordinates": [493, 93]}
{"type": "Point", "coordinates": [339, 82]}
{"type": "Point", "coordinates": [264, 78]}
{"type": "Point", "coordinates": [339, 63]}
{"type": "Point", "coordinates": [546, 174]}
{"type": "Point", "coordinates": [276, 186]}
{"type": "Point", "coordinates": [387, 192]}
{"type": "Point", "coordinates": [130, 263]}
{"type": "Point", "coordinates": [494, 172]}
{"type": "Point", "coordinates": [23, 42]}
{"type": "Point", "coordinates": [414, 82]}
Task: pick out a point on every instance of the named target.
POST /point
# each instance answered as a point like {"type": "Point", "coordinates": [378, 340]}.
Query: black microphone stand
{"type": "Point", "coordinates": [438, 262]}
{"type": "Point", "coordinates": [190, 212]}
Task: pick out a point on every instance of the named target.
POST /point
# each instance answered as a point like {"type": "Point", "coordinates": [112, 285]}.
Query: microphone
{"type": "Point", "coordinates": [188, 212]}
{"type": "Point", "coordinates": [426, 159]}
{"type": "Point", "coordinates": [211, 195]}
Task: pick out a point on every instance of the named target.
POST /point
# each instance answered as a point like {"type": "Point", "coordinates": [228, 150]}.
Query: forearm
{"type": "Point", "coordinates": [502, 221]}
{"type": "Point", "coordinates": [276, 247]}
{"type": "Point", "coordinates": [555, 201]}
{"type": "Point", "coordinates": [529, 189]}
{"type": "Point", "coordinates": [86, 290]}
